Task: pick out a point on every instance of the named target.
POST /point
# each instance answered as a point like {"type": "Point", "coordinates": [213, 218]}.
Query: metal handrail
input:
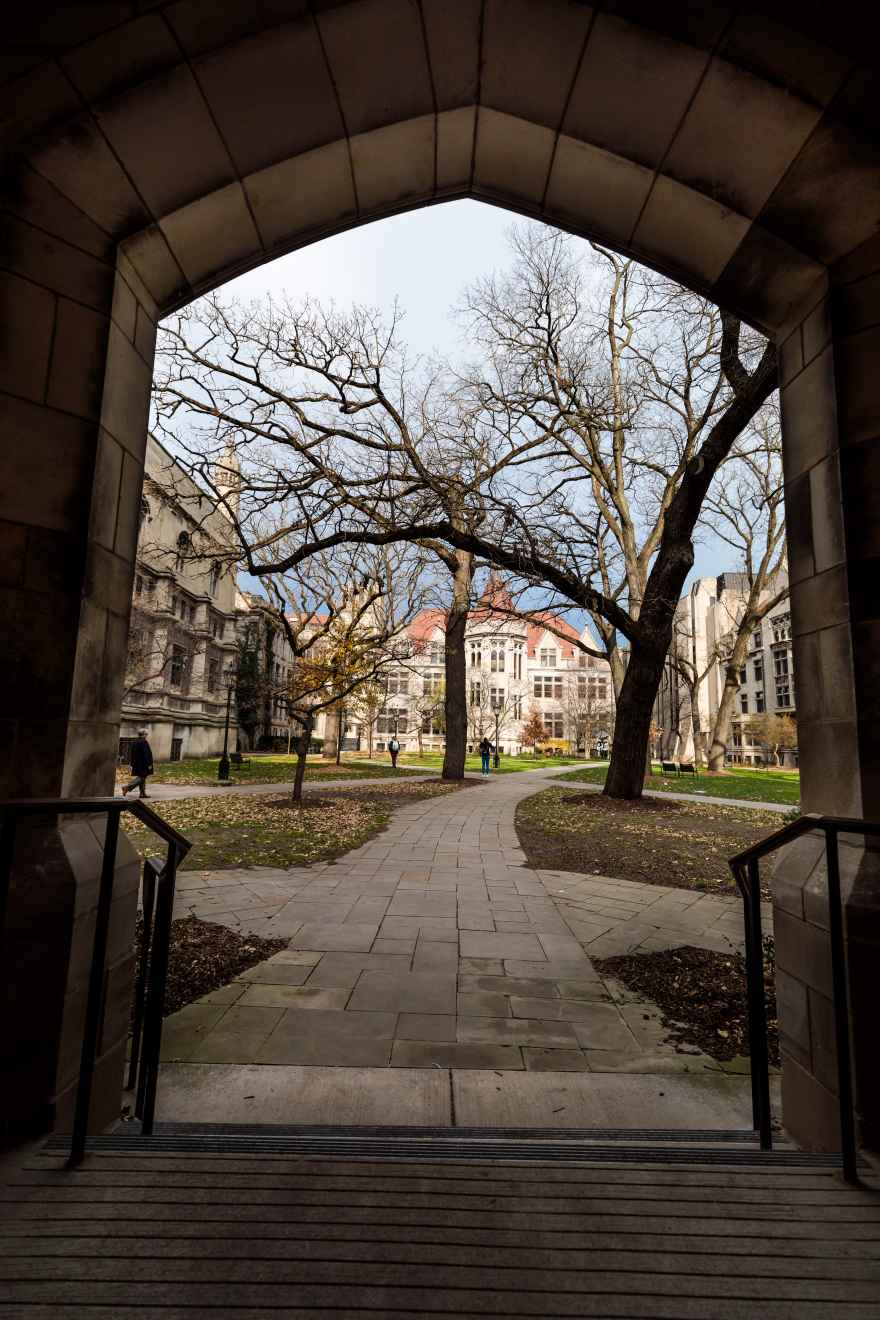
{"type": "Point", "coordinates": [150, 987]}
{"type": "Point", "coordinates": [746, 872]}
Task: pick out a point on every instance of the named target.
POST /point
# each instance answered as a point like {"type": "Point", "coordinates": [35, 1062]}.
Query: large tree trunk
{"type": "Point", "coordinates": [331, 733]}
{"type": "Point", "coordinates": [632, 728]}
{"type": "Point", "coordinates": [455, 668]}
{"type": "Point", "coordinates": [724, 715]}
{"type": "Point", "coordinates": [305, 739]}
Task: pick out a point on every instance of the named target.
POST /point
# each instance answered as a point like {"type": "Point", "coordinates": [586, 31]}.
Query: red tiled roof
{"type": "Point", "coordinates": [537, 629]}
{"type": "Point", "coordinates": [425, 622]}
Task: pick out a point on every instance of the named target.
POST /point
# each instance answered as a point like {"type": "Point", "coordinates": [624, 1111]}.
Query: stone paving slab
{"type": "Point", "coordinates": [435, 946]}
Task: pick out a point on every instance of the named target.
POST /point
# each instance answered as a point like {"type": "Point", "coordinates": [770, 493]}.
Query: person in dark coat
{"type": "Point", "coordinates": [141, 764]}
{"type": "Point", "coordinates": [486, 750]}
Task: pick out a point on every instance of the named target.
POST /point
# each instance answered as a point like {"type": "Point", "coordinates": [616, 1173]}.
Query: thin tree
{"type": "Point", "coordinates": [746, 509]}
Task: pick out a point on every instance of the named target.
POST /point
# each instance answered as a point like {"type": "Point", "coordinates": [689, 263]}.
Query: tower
{"type": "Point", "coordinates": [227, 480]}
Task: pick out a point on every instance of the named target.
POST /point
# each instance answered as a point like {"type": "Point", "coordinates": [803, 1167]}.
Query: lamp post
{"type": "Point", "coordinates": [496, 708]}
{"type": "Point", "coordinates": [223, 768]}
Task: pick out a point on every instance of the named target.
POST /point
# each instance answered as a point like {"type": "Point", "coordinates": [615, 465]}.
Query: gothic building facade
{"type": "Point", "coordinates": [516, 666]}
{"type": "Point", "coordinates": [182, 643]}
{"type": "Point", "coordinates": [703, 623]}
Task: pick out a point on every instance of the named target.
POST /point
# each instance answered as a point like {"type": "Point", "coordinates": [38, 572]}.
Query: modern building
{"type": "Point", "coordinates": [182, 642]}
{"type": "Point", "coordinates": [514, 664]}
{"type": "Point", "coordinates": [703, 623]}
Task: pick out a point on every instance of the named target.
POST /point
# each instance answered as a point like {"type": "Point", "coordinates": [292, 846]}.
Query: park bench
{"type": "Point", "coordinates": [236, 758]}
{"type": "Point", "coordinates": [685, 769]}
{"type": "Point", "coordinates": [668, 768]}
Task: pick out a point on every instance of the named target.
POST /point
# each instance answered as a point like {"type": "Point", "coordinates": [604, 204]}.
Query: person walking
{"type": "Point", "coordinates": [485, 753]}
{"type": "Point", "coordinates": [141, 765]}
{"type": "Point", "coordinates": [394, 748]}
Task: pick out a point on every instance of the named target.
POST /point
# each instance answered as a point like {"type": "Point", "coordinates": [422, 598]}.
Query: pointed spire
{"type": "Point", "coordinates": [495, 594]}
{"type": "Point", "coordinates": [227, 478]}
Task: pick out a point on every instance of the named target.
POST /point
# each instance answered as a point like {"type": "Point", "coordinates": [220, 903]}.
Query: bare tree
{"type": "Point", "coordinates": [746, 509]}
{"type": "Point", "coordinates": [331, 420]}
{"type": "Point", "coordinates": [569, 423]}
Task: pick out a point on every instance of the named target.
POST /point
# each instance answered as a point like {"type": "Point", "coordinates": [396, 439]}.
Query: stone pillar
{"type": "Point", "coordinates": [75, 368]}
{"type": "Point", "coordinates": [829, 365]}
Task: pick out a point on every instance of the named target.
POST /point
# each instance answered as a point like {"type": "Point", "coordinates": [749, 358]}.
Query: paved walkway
{"type": "Point", "coordinates": [434, 945]}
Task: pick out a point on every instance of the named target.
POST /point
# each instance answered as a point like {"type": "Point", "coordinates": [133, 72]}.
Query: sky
{"type": "Point", "coordinates": [423, 260]}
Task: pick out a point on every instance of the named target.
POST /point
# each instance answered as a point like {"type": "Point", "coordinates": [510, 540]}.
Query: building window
{"type": "Point", "coordinates": [554, 725]}
{"type": "Point", "coordinates": [392, 721]}
{"type": "Point", "coordinates": [476, 655]}
{"type": "Point", "coordinates": [496, 659]}
{"type": "Point", "coordinates": [496, 697]}
{"type": "Point", "coordinates": [548, 685]}
{"type": "Point", "coordinates": [783, 694]}
{"type": "Point", "coordinates": [145, 511]}
{"type": "Point", "coordinates": [517, 708]}
{"type": "Point", "coordinates": [744, 702]}
{"type": "Point", "coordinates": [178, 665]}
{"type": "Point", "coordinates": [757, 639]}
{"type": "Point", "coordinates": [432, 685]}
{"type": "Point", "coordinates": [781, 664]}
{"type": "Point", "coordinates": [781, 628]}
{"type": "Point", "coordinates": [216, 573]}
{"type": "Point", "coordinates": [184, 545]}
{"type": "Point", "coordinates": [517, 663]}
{"type": "Point", "coordinates": [436, 654]}
{"type": "Point", "coordinates": [397, 685]}
{"type": "Point", "coordinates": [759, 703]}
{"type": "Point", "coordinates": [138, 584]}
{"type": "Point", "coordinates": [547, 658]}
{"type": "Point", "coordinates": [759, 671]}
{"type": "Point", "coordinates": [476, 694]}
{"type": "Point", "coordinates": [213, 674]}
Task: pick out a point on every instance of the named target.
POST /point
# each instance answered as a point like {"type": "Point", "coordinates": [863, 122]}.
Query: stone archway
{"type": "Point", "coordinates": [153, 155]}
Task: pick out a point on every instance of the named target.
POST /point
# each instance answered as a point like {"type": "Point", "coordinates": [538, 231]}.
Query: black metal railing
{"type": "Point", "coordinates": [746, 870]}
{"type": "Point", "coordinates": [149, 991]}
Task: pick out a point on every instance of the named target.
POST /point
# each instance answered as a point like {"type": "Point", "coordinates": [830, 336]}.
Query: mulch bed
{"type": "Point", "coordinates": [682, 844]}
{"type": "Point", "coordinates": [203, 957]}
{"type": "Point", "coordinates": [702, 996]}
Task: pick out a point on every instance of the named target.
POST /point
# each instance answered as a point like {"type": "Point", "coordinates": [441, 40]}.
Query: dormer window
{"type": "Point", "coordinates": [547, 657]}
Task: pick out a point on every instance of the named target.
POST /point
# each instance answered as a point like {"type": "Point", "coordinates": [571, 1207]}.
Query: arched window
{"type": "Point", "coordinates": [216, 573]}
{"type": "Point", "coordinates": [184, 544]}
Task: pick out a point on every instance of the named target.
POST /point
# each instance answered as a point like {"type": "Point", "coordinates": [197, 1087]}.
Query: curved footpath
{"type": "Point", "coordinates": [449, 982]}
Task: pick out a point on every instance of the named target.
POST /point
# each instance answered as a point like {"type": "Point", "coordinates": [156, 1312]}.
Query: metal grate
{"type": "Point", "coordinates": [456, 1144]}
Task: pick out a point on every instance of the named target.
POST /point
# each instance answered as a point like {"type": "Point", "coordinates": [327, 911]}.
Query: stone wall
{"type": "Point", "coordinates": [831, 418]}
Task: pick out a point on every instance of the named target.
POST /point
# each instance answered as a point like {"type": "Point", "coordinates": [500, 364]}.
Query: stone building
{"type": "Point", "coordinates": [513, 665]}
{"type": "Point", "coordinates": [703, 623]}
{"type": "Point", "coordinates": [267, 724]}
{"type": "Point", "coordinates": [182, 639]}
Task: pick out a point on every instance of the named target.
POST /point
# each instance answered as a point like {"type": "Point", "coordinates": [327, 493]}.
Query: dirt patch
{"type": "Point", "coordinates": [682, 844]}
{"type": "Point", "coordinates": [701, 995]}
{"type": "Point", "coordinates": [203, 957]}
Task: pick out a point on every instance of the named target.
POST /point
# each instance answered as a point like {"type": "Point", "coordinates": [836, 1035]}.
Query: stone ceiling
{"type": "Point", "coordinates": [713, 140]}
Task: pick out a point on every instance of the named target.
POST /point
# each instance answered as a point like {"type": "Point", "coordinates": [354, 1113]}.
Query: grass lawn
{"type": "Point", "coordinates": [268, 769]}
{"type": "Point", "coordinates": [509, 764]}
{"type": "Point", "coordinates": [782, 786]}
{"type": "Point", "coordinates": [682, 844]}
{"type": "Point", "coordinates": [269, 830]}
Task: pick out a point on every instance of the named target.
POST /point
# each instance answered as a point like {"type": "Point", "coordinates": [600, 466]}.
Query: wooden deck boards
{"type": "Point", "coordinates": [157, 1235]}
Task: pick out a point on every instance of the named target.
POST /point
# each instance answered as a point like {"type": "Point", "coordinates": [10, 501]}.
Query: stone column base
{"type": "Point", "coordinates": [45, 973]}
{"type": "Point", "coordinates": [804, 987]}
